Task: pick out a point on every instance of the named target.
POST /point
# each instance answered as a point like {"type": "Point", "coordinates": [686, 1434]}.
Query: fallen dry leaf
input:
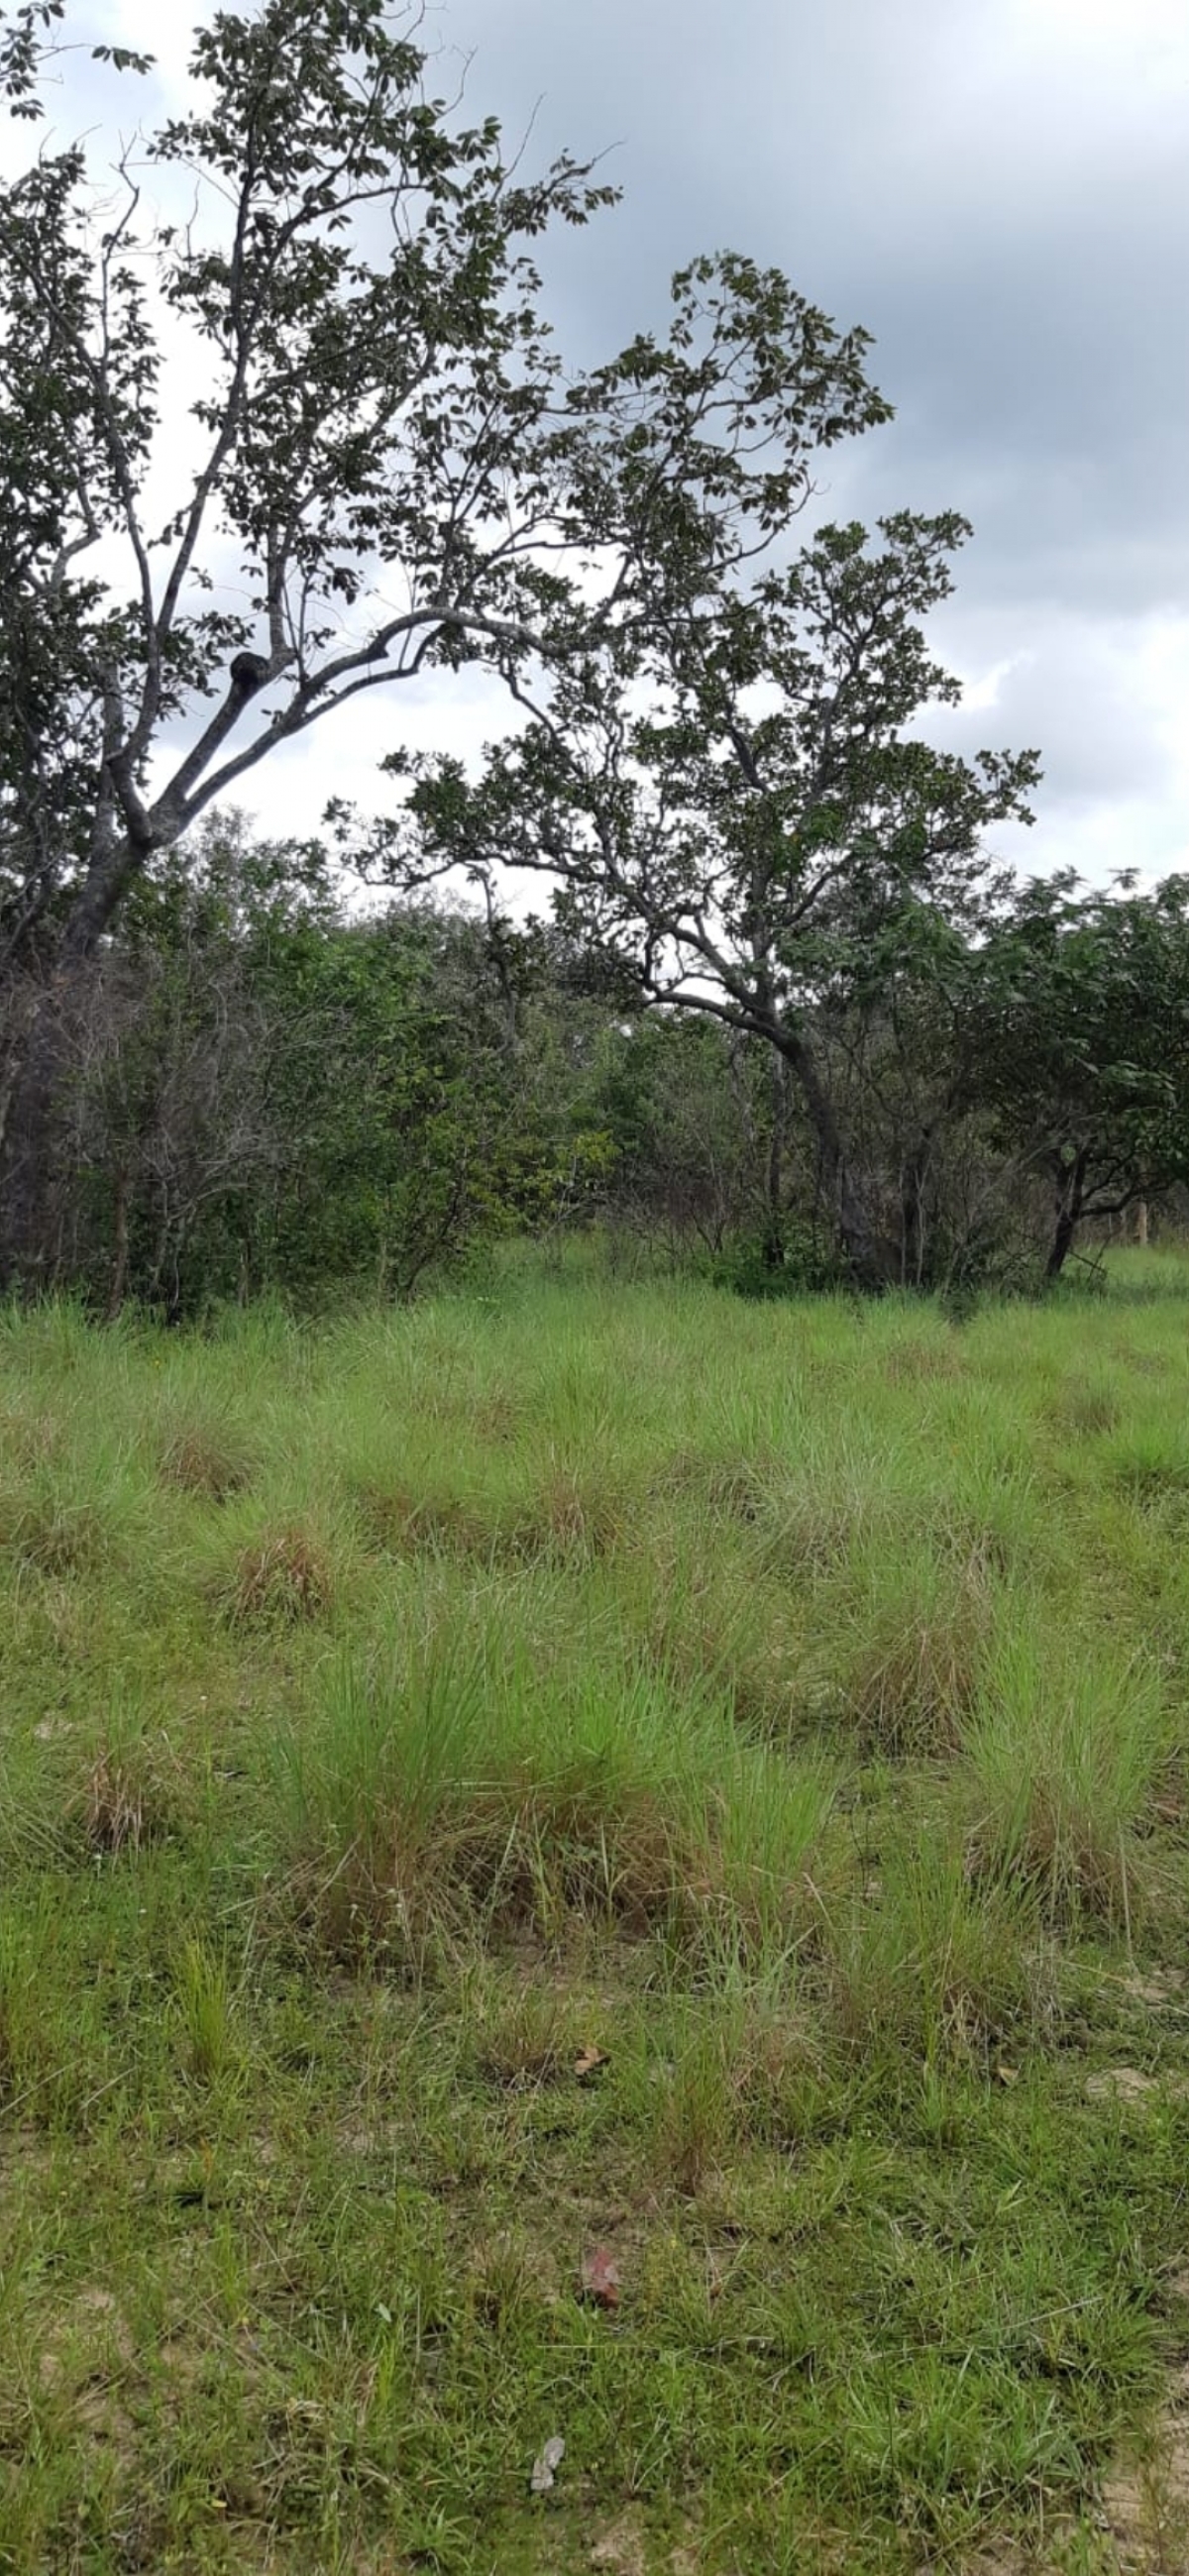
{"type": "Point", "coordinates": [600, 2277]}
{"type": "Point", "coordinates": [588, 2059]}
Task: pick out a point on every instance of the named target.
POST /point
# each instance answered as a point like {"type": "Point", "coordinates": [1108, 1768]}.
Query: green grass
{"type": "Point", "coordinates": [593, 1772]}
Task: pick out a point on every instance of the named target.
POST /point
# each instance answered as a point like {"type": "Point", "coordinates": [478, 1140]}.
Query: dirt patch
{"type": "Point", "coordinates": [1159, 1986]}
{"type": "Point", "coordinates": [1120, 2084]}
{"type": "Point", "coordinates": [379, 2138]}
{"type": "Point", "coordinates": [87, 2358]}
{"type": "Point", "coordinates": [182, 2360]}
{"type": "Point", "coordinates": [92, 2326]}
{"type": "Point", "coordinates": [620, 2551]}
{"type": "Point", "coordinates": [1130, 2084]}
{"type": "Point", "coordinates": [1060, 2552]}
{"type": "Point", "coordinates": [1145, 2503]}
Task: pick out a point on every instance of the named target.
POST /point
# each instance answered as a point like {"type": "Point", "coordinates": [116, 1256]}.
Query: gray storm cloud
{"type": "Point", "coordinates": [1000, 193]}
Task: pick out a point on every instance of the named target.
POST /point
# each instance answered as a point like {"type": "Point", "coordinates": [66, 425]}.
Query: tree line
{"type": "Point", "coordinates": [269, 1088]}
{"type": "Point", "coordinates": [781, 1001]}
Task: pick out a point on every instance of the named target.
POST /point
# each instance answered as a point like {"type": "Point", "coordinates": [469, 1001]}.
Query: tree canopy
{"type": "Point", "coordinates": [388, 469]}
{"type": "Point", "coordinates": [284, 426]}
{"type": "Point", "coordinates": [740, 800]}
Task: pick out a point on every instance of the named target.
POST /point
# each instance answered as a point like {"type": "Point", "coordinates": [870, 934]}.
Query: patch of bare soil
{"type": "Point", "coordinates": [620, 2551]}
{"type": "Point", "coordinates": [1145, 2504]}
{"type": "Point", "coordinates": [1049, 2556]}
{"type": "Point", "coordinates": [1130, 2084]}
{"type": "Point", "coordinates": [1159, 1986]}
{"type": "Point", "coordinates": [1119, 2084]}
{"type": "Point", "coordinates": [89, 2359]}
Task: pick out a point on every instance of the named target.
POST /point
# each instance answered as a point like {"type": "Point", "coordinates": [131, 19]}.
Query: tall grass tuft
{"type": "Point", "coordinates": [204, 2006]}
{"type": "Point", "coordinates": [131, 1793]}
{"type": "Point", "coordinates": [458, 1781]}
{"type": "Point", "coordinates": [204, 1452]}
{"type": "Point", "coordinates": [1063, 1755]}
{"type": "Point", "coordinates": [275, 1572]}
{"type": "Point", "coordinates": [909, 1628]}
{"type": "Point", "coordinates": [931, 1958]}
{"type": "Point", "coordinates": [71, 1515]}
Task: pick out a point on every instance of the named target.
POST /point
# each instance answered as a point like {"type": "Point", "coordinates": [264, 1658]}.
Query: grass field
{"type": "Point", "coordinates": [598, 1863]}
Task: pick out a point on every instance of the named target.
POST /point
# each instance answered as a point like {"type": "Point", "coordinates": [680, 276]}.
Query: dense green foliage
{"type": "Point", "coordinates": [739, 800]}
{"type": "Point", "coordinates": [272, 1090]}
{"type": "Point", "coordinates": [267, 1092]}
{"type": "Point", "coordinates": [1076, 1032]}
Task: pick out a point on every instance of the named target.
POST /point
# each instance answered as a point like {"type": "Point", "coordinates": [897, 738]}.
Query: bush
{"type": "Point", "coordinates": [750, 1266]}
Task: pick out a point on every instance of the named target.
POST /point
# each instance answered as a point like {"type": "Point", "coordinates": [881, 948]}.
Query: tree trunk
{"type": "Point", "coordinates": [912, 1211]}
{"type": "Point", "coordinates": [873, 1261]}
{"type": "Point", "coordinates": [119, 1264]}
{"type": "Point", "coordinates": [28, 1157]}
{"type": "Point", "coordinates": [774, 1172]}
{"type": "Point", "coordinates": [38, 1057]}
{"type": "Point", "coordinates": [1070, 1194]}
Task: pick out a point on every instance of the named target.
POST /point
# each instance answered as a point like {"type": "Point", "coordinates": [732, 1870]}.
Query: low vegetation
{"type": "Point", "coordinates": [605, 1866]}
{"type": "Point", "coordinates": [593, 1864]}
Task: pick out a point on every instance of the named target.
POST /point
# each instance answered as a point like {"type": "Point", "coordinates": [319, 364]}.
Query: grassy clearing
{"type": "Point", "coordinates": [598, 1864]}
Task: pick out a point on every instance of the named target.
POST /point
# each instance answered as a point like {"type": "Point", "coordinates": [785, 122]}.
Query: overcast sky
{"type": "Point", "coordinates": [999, 191]}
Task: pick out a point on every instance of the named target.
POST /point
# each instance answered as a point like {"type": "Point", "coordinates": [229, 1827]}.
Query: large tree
{"type": "Point", "coordinates": [385, 469]}
{"type": "Point", "coordinates": [736, 795]}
